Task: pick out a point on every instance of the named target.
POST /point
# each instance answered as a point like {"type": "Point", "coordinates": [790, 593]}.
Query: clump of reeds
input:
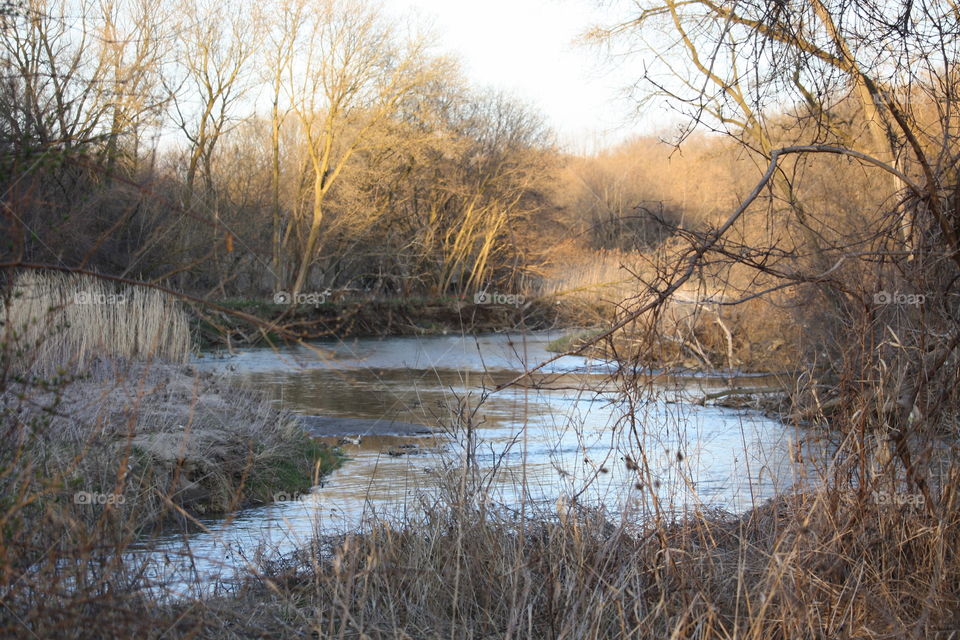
{"type": "Point", "coordinates": [599, 276]}
{"type": "Point", "coordinates": [57, 321]}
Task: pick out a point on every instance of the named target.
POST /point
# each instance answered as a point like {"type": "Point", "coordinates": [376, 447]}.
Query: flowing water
{"type": "Point", "coordinates": [565, 433]}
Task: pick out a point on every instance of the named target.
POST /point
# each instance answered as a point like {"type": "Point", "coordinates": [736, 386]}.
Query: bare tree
{"type": "Point", "coordinates": [50, 81]}
{"type": "Point", "coordinates": [282, 37]}
{"type": "Point", "coordinates": [871, 85]}
{"type": "Point", "coordinates": [215, 74]}
{"type": "Point", "coordinates": [134, 44]}
{"type": "Point", "coordinates": [821, 92]}
{"type": "Point", "coordinates": [351, 73]}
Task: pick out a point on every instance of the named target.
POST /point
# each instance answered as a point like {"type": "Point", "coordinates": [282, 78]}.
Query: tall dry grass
{"type": "Point", "coordinates": [586, 286]}
{"type": "Point", "coordinates": [55, 321]}
{"type": "Point", "coordinates": [595, 276]}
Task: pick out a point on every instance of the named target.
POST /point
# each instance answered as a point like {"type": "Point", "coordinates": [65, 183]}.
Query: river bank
{"type": "Point", "coordinates": [357, 316]}
{"type": "Point", "coordinates": [809, 564]}
{"type": "Point", "coordinates": [150, 441]}
{"type": "Point", "coordinates": [817, 564]}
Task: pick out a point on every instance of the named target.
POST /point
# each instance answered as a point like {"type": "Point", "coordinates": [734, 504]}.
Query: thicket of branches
{"type": "Point", "coordinates": [239, 149]}
{"type": "Point", "coordinates": [851, 220]}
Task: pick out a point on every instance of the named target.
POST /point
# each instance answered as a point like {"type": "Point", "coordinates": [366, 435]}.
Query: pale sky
{"type": "Point", "coordinates": [526, 48]}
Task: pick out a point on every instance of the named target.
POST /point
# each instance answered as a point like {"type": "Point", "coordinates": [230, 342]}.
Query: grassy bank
{"type": "Point", "coordinates": [109, 436]}
{"type": "Point", "coordinates": [143, 443]}
{"type": "Point", "coordinates": [822, 565]}
{"type": "Point", "coordinates": [572, 340]}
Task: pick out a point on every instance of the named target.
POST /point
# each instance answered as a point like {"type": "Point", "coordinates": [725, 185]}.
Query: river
{"type": "Point", "coordinates": [566, 433]}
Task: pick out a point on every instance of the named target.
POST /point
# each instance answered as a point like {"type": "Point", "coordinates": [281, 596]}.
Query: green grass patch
{"type": "Point", "coordinates": [295, 472]}
{"type": "Point", "coordinates": [572, 340]}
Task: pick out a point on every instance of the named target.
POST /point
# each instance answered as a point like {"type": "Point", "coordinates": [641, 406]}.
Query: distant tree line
{"type": "Point", "coordinates": [236, 149]}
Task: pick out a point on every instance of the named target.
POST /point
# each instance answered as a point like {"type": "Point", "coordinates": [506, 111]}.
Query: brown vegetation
{"type": "Point", "coordinates": [818, 561]}
{"type": "Point", "coordinates": [105, 441]}
{"type": "Point", "coordinates": [816, 226]}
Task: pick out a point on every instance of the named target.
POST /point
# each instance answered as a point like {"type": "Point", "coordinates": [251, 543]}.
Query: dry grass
{"type": "Point", "coordinates": [55, 321]}
{"type": "Point", "coordinates": [601, 276]}
{"type": "Point", "coordinates": [586, 286]}
{"type": "Point", "coordinates": [829, 563]}
{"type": "Point", "coordinates": [154, 443]}
{"type": "Point", "coordinates": [165, 437]}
